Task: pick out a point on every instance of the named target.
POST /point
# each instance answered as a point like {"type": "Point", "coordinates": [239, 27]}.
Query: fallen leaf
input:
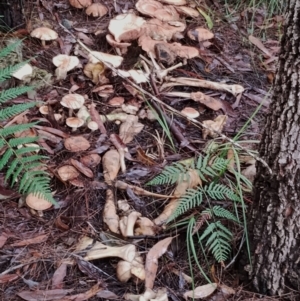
{"type": "Point", "coordinates": [36, 240]}
{"type": "Point", "coordinates": [91, 160]}
{"type": "Point", "coordinates": [130, 128]}
{"type": "Point", "coordinates": [255, 41]}
{"type": "Point", "coordinates": [49, 295]}
{"type": "Point", "coordinates": [3, 239]}
{"type": "Point", "coordinates": [82, 168]}
{"type": "Point", "coordinates": [8, 278]}
{"type": "Point", "coordinates": [67, 172]}
{"type": "Point", "coordinates": [152, 257]}
{"type": "Point", "coordinates": [202, 291]}
{"type": "Point", "coordinates": [58, 276]}
{"type": "Point", "coordinates": [214, 126]}
{"type": "Point", "coordinates": [111, 165]}
{"type": "Point", "coordinates": [89, 269]}
{"type": "Point", "coordinates": [105, 294]}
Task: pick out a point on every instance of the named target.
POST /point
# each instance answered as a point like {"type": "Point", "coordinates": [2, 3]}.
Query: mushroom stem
{"type": "Point", "coordinates": [100, 250]}
{"type": "Point", "coordinates": [110, 216]}
{"type": "Point", "coordinates": [132, 217]}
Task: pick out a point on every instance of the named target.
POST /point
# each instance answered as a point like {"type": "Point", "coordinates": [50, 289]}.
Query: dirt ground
{"type": "Point", "coordinates": [33, 248]}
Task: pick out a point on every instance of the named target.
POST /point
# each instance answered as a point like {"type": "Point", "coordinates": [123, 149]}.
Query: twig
{"type": "Point", "coordinates": [169, 107]}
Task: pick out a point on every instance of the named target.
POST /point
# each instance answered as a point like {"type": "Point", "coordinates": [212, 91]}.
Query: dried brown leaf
{"type": "Point", "coordinates": [202, 291]}
{"type": "Point", "coordinates": [58, 276]}
{"type": "Point", "coordinates": [82, 168]}
{"type": "Point", "coordinates": [76, 144]}
{"type": "Point", "coordinates": [35, 240]}
{"type": "Point", "coordinates": [49, 295]}
{"type": "Point", "coordinates": [152, 257]}
{"type": "Point", "coordinates": [8, 278]}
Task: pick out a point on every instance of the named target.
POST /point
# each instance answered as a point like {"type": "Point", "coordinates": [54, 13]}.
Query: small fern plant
{"type": "Point", "coordinates": [216, 235]}
{"type": "Point", "coordinates": [19, 158]}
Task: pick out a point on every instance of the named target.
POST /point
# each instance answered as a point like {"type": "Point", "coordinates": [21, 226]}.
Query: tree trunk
{"type": "Point", "coordinates": [275, 219]}
{"type": "Point", "coordinates": [11, 15]}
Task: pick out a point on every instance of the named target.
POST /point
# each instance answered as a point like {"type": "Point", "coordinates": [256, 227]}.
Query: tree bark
{"type": "Point", "coordinates": [11, 14]}
{"type": "Point", "coordinates": [275, 219]}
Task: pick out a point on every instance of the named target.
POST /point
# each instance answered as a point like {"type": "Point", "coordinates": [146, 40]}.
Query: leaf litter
{"type": "Point", "coordinates": [140, 46]}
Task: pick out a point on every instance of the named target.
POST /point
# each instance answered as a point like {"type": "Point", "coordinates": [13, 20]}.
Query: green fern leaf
{"type": "Point", "coordinates": [15, 110]}
{"type": "Point", "coordinates": [13, 93]}
{"type": "Point", "coordinates": [12, 129]}
{"type": "Point", "coordinates": [4, 159]}
{"type": "Point", "coordinates": [8, 49]}
{"type": "Point", "coordinates": [224, 213]}
{"type": "Point", "coordinates": [8, 71]}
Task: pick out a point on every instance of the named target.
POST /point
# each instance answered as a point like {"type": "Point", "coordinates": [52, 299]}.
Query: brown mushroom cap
{"type": "Point", "coordinates": [116, 101]}
{"type": "Point", "coordinates": [80, 3]}
{"type": "Point", "coordinates": [67, 172]}
{"type": "Point", "coordinates": [93, 125]}
{"type": "Point", "coordinates": [37, 203]}
{"type": "Point", "coordinates": [190, 112]}
{"type": "Point", "coordinates": [72, 101]}
{"type": "Point", "coordinates": [66, 61]}
{"type": "Point", "coordinates": [200, 34]}
{"type": "Point", "coordinates": [74, 122]}
{"type": "Point", "coordinates": [44, 110]}
{"type": "Point", "coordinates": [126, 27]}
{"type": "Point", "coordinates": [76, 144]}
{"type": "Point", "coordinates": [44, 33]}
{"type": "Point", "coordinates": [96, 10]}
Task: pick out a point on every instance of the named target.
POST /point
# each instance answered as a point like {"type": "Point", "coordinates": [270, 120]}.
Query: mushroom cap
{"type": "Point", "coordinates": [200, 34]}
{"type": "Point", "coordinates": [76, 144]}
{"type": "Point", "coordinates": [126, 27]}
{"type": "Point", "coordinates": [44, 110]}
{"type": "Point", "coordinates": [123, 271]}
{"type": "Point", "coordinates": [96, 10]}
{"type": "Point", "coordinates": [112, 42]}
{"type": "Point", "coordinates": [44, 33]}
{"type": "Point", "coordinates": [91, 160]}
{"type": "Point", "coordinates": [190, 112]}
{"type": "Point", "coordinates": [74, 122]}
{"type": "Point", "coordinates": [66, 61]}
{"type": "Point", "coordinates": [93, 126]}
{"type": "Point", "coordinates": [97, 56]}
{"type": "Point", "coordinates": [72, 101]}
{"type": "Point", "coordinates": [24, 71]}
{"type": "Point", "coordinates": [116, 101]}
{"type": "Point", "coordinates": [188, 11]}
{"type": "Point", "coordinates": [37, 203]}
{"type": "Point", "coordinates": [80, 3]}
{"type": "Point", "coordinates": [67, 172]}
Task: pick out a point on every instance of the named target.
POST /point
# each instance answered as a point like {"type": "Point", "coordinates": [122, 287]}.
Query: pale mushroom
{"type": "Point", "coordinates": [132, 217]}
{"type": "Point", "coordinates": [96, 10]}
{"type": "Point", "coordinates": [200, 34]}
{"type": "Point", "coordinates": [72, 101]}
{"type": "Point", "coordinates": [95, 72]}
{"type": "Point", "coordinates": [74, 122]}
{"type": "Point", "coordinates": [97, 56]}
{"type": "Point", "coordinates": [64, 63]}
{"type": "Point", "coordinates": [93, 126]}
{"type": "Point", "coordinates": [23, 72]}
{"type": "Point", "coordinates": [80, 3]}
{"type": "Point", "coordinates": [67, 172]}
{"type": "Point", "coordinates": [123, 271]}
{"type": "Point", "coordinates": [44, 110]}
{"type": "Point", "coordinates": [126, 27]}
{"type": "Point", "coordinates": [188, 11]}
{"type": "Point", "coordinates": [120, 47]}
{"type": "Point", "coordinates": [37, 203]}
{"type": "Point", "coordinates": [144, 226]}
{"type": "Point", "coordinates": [84, 114]}
{"type": "Point", "coordinates": [44, 34]}
{"type": "Point", "coordinates": [190, 112]}
{"type": "Point", "coordinates": [116, 101]}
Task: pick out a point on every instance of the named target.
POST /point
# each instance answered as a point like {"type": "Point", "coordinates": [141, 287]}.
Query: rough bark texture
{"type": "Point", "coordinates": [275, 221]}
{"type": "Point", "coordinates": [11, 16]}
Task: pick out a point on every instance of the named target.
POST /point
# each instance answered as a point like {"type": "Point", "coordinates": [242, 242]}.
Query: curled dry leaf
{"type": "Point", "coordinates": [82, 168]}
{"type": "Point", "coordinates": [95, 72]}
{"type": "Point", "coordinates": [24, 72]}
{"type": "Point", "coordinates": [67, 172]}
{"type": "Point", "coordinates": [130, 128]}
{"type": "Point", "coordinates": [76, 144]}
{"type": "Point", "coordinates": [111, 165]}
{"type": "Point", "coordinates": [152, 257]}
{"type": "Point", "coordinates": [45, 295]}
{"type": "Point", "coordinates": [110, 217]}
{"type": "Point", "coordinates": [144, 226]}
{"type": "Point", "coordinates": [200, 34]}
{"type": "Point", "coordinates": [188, 11]}
{"type": "Point", "coordinates": [91, 160]}
{"type": "Point", "coordinates": [202, 291]}
{"type": "Point", "coordinates": [121, 47]}
{"type": "Point", "coordinates": [126, 27]}
{"type": "Point", "coordinates": [116, 101]}
{"type": "Point", "coordinates": [138, 76]}
{"type": "Point", "coordinates": [214, 126]}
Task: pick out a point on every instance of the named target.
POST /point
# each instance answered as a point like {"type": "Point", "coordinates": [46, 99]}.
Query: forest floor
{"type": "Point", "coordinates": [40, 256]}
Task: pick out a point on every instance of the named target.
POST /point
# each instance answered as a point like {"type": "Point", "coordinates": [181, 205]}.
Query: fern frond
{"type": "Point", "coordinates": [204, 216]}
{"type": "Point", "coordinates": [13, 93]}
{"type": "Point", "coordinates": [218, 241]}
{"type": "Point", "coordinates": [220, 192]}
{"type": "Point", "coordinates": [12, 129]}
{"type": "Point", "coordinates": [224, 213]}
{"type": "Point", "coordinates": [15, 110]}
{"type": "Point", "coordinates": [8, 49]}
{"type": "Point", "coordinates": [8, 71]}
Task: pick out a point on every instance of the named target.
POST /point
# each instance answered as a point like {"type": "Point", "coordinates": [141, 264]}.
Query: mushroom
{"type": "Point", "coordinates": [131, 219]}
{"type": "Point", "coordinates": [97, 56]}
{"type": "Point", "coordinates": [91, 160]}
{"type": "Point", "coordinates": [144, 227]}
{"type": "Point", "coordinates": [64, 63]}
{"type": "Point", "coordinates": [116, 101]}
{"type": "Point", "coordinates": [72, 101]}
{"type": "Point", "coordinates": [120, 47]}
{"type": "Point", "coordinates": [123, 271]}
{"type": "Point", "coordinates": [44, 110]}
{"type": "Point", "coordinates": [96, 10]}
{"type": "Point", "coordinates": [126, 27]}
{"type": "Point", "coordinates": [23, 72]}
{"type": "Point", "coordinates": [93, 126]}
{"type": "Point", "coordinates": [190, 112]}
{"type": "Point", "coordinates": [84, 114]}
{"type": "Point", "coordinates": [76, 144]}
{"type": "Point", "coordinates": [174, 2]}
{"type": "Point", "coordinates": [188, 11]}
{"type": "Point", "coordinates": [74, 123]}
{"type": "Point", "coordinates": [67, 172]}
{"type": "Point", "coordinates": [100, 250]}
{"type": "Point", "coordinates": [44, 34]}
{"type": "Point", "coordinates": [200, 34]}
{"type": "Point", "coordinates": [37, 203]}
{"type": "Point", "coordinates": [80, 3]}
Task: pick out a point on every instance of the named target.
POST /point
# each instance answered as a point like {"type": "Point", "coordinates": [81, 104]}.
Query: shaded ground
{"type": "Point", "coordinates": [231, 59]}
